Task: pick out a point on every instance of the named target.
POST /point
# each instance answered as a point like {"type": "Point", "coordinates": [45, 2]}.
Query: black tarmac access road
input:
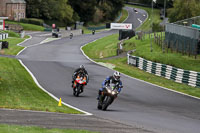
{"type": "Point", "coordinates": [141, 107]}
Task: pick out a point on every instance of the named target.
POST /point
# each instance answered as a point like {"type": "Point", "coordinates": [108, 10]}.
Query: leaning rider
{"type": "Point", "coordinates": [115, 78]}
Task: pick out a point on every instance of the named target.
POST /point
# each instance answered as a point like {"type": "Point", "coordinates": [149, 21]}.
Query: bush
{"type": "Point", "coordinates": [32, 21]}
{"type": "Point", "coordinates": [157, 27]}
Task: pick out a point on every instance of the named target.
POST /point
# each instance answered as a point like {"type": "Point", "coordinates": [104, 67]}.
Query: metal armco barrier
{"type": "Point", "coordinates": [191, 78]}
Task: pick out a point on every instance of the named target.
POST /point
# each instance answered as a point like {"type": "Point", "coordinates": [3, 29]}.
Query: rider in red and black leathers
{"type": "Point", "coordinates": [78, 71]}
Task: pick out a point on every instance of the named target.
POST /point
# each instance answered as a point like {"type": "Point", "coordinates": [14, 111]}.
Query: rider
{"type": "Point", "coordinates": [111, 79]}
{"type": "Point", "coordinates": [78, 71]}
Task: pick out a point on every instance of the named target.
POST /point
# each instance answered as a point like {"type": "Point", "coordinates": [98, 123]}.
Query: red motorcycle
{"type": "Point", "coordinates": [79, 84]}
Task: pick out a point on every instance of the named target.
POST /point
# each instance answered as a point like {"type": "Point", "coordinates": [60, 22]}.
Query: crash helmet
{"type": "Point", "coordinates": [116, 75]}
{"type": "Point", "coordinates": [82, 67]}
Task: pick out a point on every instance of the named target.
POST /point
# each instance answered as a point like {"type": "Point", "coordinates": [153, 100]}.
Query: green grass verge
{"type": "Point", "coordinates": [12, 34]}
{"type": "Point", "coordinates": [33, 129]}
{"type": "Point", "coordinates": [124, 16]}
{"type": "Point", "coordinates": [19, 91]}
{"type": "Point", "coordinates": [30, 27]}
{"type": "Point", "coordinates": [122, 66]}
{"type": "Point", "coordinates": [143, 49]}
{"type": "Point", "coordinates": [98, 49]}
{"type": "Point", "coordinates": [146, 26]}
{"type": "Point", "coordinates": [13, 48]}
{"type": "Point", "coordinates": [17, 88]}
{"type": "Point", "coordinates": [171, 58]}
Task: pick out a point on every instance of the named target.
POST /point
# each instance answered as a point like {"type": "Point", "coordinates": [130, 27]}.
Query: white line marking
{"type": "Point", "coordinates": [49, 40]}
{"type": "Point", "coordinates": [144, 20]}
{"type": "Point", "coordinates": [35, 80]}
{"type": "Point", "coordinates": [45, 34]}
{"type": "Point", "coordinates": [23, 46]}
{"type": "Point", "coordinates": [33, 33]}
{"type": "Point", "coordinates": [127, 17]}
{"type": "Point", "coordinates": [139, 20]}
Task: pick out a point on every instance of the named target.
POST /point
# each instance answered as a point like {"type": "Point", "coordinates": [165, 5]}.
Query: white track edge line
{"type": "Point", "coordinates": [57, 99]}
{"type": "Point", "coordinates": [126, 17]}
{"type": "Point", "coordinates": [37, 83]}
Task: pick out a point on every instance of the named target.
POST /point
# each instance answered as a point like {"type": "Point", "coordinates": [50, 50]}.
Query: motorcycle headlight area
{"type": "Point", "coordinates": [109, 91]}
{"type": "Point", "coordinates": [113, 92]}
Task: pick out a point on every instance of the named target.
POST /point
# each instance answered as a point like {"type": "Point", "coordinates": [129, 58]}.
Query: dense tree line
{"type": "Point", "coordinates": [184, 9]}
{"type": "Point", "coordinates": [156, 4]}
{"type": "Point", "coordinates": [69, 11]}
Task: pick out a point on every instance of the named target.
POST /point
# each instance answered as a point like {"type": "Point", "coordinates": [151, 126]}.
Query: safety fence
{"type": "Point", "coordinates": [184, 39]}
{"type": "Point", "coordinates": [191, 78]}
{"type": "Point", "coordinates": [3, 36]}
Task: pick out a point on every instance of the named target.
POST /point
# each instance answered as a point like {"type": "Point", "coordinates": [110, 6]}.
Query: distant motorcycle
{"type": "Point", "coordinates": [79, 84]}
{"type": "Point", "coordinates": [71, 35]}
{"type": "Point", "coordinates": [109, 94]}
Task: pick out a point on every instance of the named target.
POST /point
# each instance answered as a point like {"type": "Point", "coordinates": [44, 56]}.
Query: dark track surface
{"type": "Point", "coordinates": [142, 106]}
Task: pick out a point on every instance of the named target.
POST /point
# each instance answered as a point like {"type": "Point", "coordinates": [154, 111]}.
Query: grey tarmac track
{"type": "Point", "coordinates": [60, 120]}
{"type": "Point", "coordinates": [142, 106]}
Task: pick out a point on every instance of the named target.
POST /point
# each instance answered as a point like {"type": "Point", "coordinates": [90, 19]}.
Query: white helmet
{"type": "Point", "coordinates": [116, 75]}
{"type": "Point", "coordinates": [82, 67]}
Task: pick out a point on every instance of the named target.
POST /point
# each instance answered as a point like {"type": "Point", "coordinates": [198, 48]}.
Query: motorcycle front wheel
{"type": "Point", "coordinates": [106, 102]}
{"type": "Point", "coordinates": [77, 90]}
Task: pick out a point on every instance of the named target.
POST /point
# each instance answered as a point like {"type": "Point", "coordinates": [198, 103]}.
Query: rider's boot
{"type": "Point", "coordinates": [72, 84]}
{"type": "Point", "coordinates": [99, 94]}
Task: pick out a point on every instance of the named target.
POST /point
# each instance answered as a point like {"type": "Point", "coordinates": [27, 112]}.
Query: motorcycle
{"type": "Point", "coordinates": [71, 35]}
{"type": "Point", "coordinates": [109, 94]}
{"type": "Point", "coordinates": [79, 84]}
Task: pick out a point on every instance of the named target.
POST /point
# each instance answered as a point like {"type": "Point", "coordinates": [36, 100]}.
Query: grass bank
{"type": "Point", "coordinates": [122, 18]}
{"type": "Point", "coordinates": [93, 49]}
{"type": "Point", "coordinates": [17, 88]}
{"type": "Point", "coordinates": [30, 27]}
{"type": "Point", "coordinates": [98, 49]}
{"type": "Point", "coordinates": [34, 129]}
{"type": "Point", "coordinates": [143, 49]}
{"type": "Point", "coordinates": [19, 91]}
{"type": "Point", "coordinates": [13, 48]}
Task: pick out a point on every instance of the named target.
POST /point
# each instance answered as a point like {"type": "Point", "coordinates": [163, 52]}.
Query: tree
{"type": "Point", "coordinates": [32, 9]}
{"type": "Point", "coordinates": [160, 3]}
{"type": "Point", "coordinates": [184, 9]}
{"type": "Point", "coordinates": [110, 8]}
{"type": "Point", "coordinates": [84, 8]}
{"type": "Point", "coordinates": [62, 11]}
{"type": "Point", "coordinates": [50, 10]}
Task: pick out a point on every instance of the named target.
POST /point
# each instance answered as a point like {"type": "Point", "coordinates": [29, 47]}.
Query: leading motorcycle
{"type": "Point", "coordinates": [109, 94]}
{"type": "Point", "coordinates": [79, 84]}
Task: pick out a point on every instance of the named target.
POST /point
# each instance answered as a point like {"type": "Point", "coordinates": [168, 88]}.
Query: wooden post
{"type": "Point", "coordinates": [167, 46]}
{"type": "Point", "coordinates": [163, 46]}
{"type": "Point", "coordinates": [182, 49]}
{"type": "Point", "coordinates": [195, 51]}
{"type": "Point", "coordinates": [177, 46]}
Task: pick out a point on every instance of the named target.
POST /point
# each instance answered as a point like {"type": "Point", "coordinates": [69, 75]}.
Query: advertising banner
{"type": "Point", "coordinates": [121, 26]}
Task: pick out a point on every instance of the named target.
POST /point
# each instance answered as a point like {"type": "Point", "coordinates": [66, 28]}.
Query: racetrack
{"type": "Point", "coordinates": [140, 105]}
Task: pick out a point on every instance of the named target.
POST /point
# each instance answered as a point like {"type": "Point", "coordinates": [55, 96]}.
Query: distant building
{"type": "Point", "coordinates": [13, 9]}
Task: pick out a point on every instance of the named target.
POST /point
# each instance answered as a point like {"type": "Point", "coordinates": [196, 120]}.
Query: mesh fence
{"type": "Point", "coordinates": [183, 37]}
